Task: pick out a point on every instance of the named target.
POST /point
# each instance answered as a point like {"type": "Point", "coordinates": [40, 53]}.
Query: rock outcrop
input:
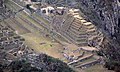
{"type": "Point", "coordinates": [103, 13]}
{"type": "Point", "coordinates": [4, 12]}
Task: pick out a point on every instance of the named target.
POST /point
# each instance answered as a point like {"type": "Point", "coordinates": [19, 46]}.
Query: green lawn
{"type": "Point", "coordinates": [33, 41]}
{"type": "Point", "coordinates": [40, 18]}
{"type": "Point", "coordinates": [97, 68]}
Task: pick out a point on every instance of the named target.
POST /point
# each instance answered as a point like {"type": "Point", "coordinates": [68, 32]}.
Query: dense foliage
{"type": "Point", "coordinates": [44, 64]}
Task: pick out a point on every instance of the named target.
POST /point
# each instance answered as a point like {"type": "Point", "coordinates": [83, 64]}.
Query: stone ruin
{"type": "Point", "coordinates": [103, 14]}
{"type": "Point", "coordinates": [16, 56]}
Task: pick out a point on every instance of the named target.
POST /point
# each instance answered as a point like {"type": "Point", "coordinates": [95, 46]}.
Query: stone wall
{"type": "Point", "coordinates": [103, 13]}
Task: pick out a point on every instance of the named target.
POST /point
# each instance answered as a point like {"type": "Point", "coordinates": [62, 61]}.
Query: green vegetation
{"type": "Point", "coordinates": [112, 65]}
{"type": "Point", "coordinates": [27, 64]}
{"type": "Point", "coordinates": [40, 18]}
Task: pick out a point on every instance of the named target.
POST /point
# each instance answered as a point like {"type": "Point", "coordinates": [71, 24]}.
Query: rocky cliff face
{"type": "Point", "coordinates": [4, 12]}
{"type": "Point", "coordinates": [2, 9]}
{"type": "Point", "coordinates": [103, 13]}
{"type": "Point", "coordinates": [1, 3]}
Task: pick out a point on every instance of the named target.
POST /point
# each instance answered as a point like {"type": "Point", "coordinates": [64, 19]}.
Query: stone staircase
{"type": "Point", "coordinates": [68, 21]}
{"type": "Point", "coordinates": [85, 61]}
{"type": "Point", "coordinates": [79, 58]}
{"type": "Point", "coordinates": [80, 31]}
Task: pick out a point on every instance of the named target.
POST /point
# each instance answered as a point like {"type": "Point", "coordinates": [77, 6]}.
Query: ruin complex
{"type": "Point", "coordinates": [81, 34]}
